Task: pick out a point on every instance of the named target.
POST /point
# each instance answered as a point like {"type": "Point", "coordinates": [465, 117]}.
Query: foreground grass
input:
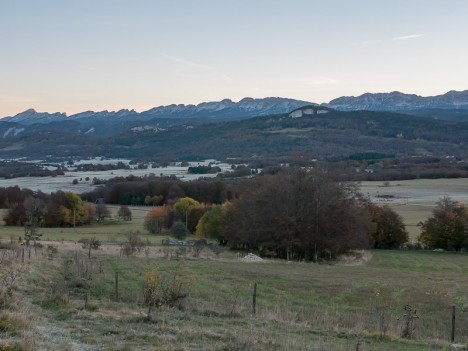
{"type": "Point", "coordinates": [300, 306]}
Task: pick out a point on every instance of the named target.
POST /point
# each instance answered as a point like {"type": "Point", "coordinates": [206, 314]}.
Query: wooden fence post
{"type": "Point", "coordinates": [254, 299]}
{"type": "Point", "coordinates": [117, 286]}
{"type": "Point", "coordinates": [453, 323]}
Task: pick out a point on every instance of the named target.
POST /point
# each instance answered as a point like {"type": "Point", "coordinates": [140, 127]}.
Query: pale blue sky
{"type": "Point", "coordinates": [77, 55]}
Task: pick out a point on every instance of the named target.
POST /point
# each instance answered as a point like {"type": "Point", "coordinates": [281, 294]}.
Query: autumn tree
{"type": "Point", "coordinates": [183, 206]}
{"type": "Point", "coordinates": [153, 200]}
{"type": "Point", "coordinates": [388, 232]}
{"type": "Point", "coordinates": [89, 213]}
{"type": "Point", "coordinates": [158, 218]}
{"type": "Point", "coordinates": [124, 213]}
{"type": "Point", "coordinates": [193, 217]}
{"type": "Point", "coordinates": [298, 214]}
{"type": "Point", "coordinates": [16, 215]}
{"type": "Point", "coordinates": [209, 226]}
{"type": "Point", "coordinates": [76, 207]}
{"type": "Point", "coordinates": [447, 228]}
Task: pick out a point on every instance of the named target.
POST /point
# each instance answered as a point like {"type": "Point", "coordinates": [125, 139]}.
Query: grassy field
{"type": "Point", "coordinates": [300, 306]}
{"type": "Point", "coordinates": [110, 230]}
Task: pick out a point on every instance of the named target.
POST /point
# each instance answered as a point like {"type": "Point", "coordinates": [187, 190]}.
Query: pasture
{"type": "Point", "coordinates": [357, 304]}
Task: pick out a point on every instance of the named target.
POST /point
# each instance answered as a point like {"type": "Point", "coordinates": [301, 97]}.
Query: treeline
{"type": "Point", "coordinates": [90, 167]}
{"type": "Point", "coordinates": [204, 169]}
{"type": "Point", "coordinates": [16, 169]}
{"type": "Point", "coordinates": [60, 209]}
{"type": "Point", "coordinates": [134, 190]}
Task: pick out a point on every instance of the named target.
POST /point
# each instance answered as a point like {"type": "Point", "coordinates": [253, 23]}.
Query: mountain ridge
{"type": "Point", "coordinates": [250, 107]}
{"type": "Point", "coordinates": [224, 109]}
{"type": "Point", "coordinates": [398, 101]}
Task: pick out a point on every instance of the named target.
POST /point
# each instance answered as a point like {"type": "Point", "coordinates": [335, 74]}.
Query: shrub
{"type": "Point", "coordinates": [124, 213]}
{"type": "Point", "coordinates": [133, 244]}
{"type": "Point", "coordinates": [178, 230]}
{"type": "Point", "coordinates": [166, 288]}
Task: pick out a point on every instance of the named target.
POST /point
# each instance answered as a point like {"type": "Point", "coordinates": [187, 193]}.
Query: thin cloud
{"type": "Point", "coordinates": [408, 37]}
{"type": "Point", "coordinates": [186, 62]}
{"type": "Point", "coordinates": [198, 66]}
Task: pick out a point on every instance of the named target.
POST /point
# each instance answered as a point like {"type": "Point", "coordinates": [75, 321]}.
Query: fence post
{"type": "Point", "coordinates": [453, 323]}
{"type": "Point", "coordinates": [254, 299]}
{"type": "Point", "coordinates": [117, 286]}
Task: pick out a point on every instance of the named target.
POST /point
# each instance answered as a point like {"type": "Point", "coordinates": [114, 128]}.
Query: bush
{"type": "Point", "coordinates": [87, 242]}
{"type": "Point", "coordinates": [124, 213]}
{"type": "Point", "coordinates": [133, 245]}
{"type": "Point", "coordinates": [178, 230]}
{"type": "Point", "coordinates": [166, 289]}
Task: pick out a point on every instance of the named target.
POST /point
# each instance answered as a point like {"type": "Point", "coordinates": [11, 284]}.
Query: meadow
{"type": "Point", "coordinates": [67, 301]}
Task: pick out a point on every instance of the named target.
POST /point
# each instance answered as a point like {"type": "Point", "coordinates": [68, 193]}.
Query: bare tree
{"type": "Point", "coordinates": [124, 213]}
{"type": "Point", "coordinates": [101, 211]}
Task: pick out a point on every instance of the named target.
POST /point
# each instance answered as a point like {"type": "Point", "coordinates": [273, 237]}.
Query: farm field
{"type": "Point", "coordinates": [357, 304]}
{"type": "Point", "coordinates": [65, 182]}
{"type": "Point", "coordinates": [110, 230]}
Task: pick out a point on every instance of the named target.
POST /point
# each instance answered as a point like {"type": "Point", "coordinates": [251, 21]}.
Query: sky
{"type": "Point", "coordinates": [78, 55]}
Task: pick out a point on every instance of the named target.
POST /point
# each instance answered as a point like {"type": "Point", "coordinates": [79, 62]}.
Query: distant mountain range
{"type": "Point", "coordinates": [452, 106]}
{"type": "Point", "coordinates": [316, 132]}
{"type": "Point", "coordinates": [219, 110]}
{"type": "Point", "coordinates": [384, 123]}
{"type": "Point", "coordinates": [397, 101]}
